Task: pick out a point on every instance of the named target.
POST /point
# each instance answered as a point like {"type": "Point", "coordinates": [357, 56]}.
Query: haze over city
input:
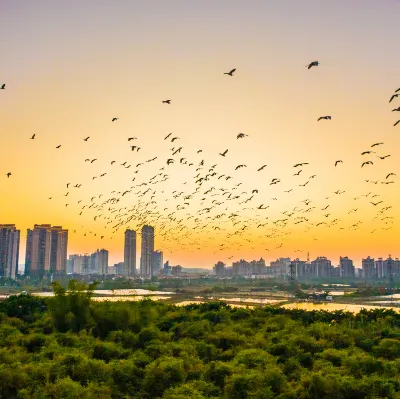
{"type": "Point", "coordinates": [93, 79]}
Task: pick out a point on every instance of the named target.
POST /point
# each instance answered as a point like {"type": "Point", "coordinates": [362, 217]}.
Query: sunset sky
{"type": "Point", "coordinates": [71, 66]}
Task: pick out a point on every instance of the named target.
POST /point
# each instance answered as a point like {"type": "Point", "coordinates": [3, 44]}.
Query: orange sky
{"type": "Point", "coordinates": [70, 68]}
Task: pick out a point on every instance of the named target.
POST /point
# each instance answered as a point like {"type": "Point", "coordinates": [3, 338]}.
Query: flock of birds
{"type": "Point", "coordinates": [222, 205]}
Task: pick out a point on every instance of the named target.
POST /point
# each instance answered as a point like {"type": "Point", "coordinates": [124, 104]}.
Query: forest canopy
{"type": "Point", "coordinates": [70, 347]}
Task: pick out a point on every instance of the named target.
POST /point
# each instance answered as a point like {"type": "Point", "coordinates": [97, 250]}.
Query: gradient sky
{"type": "Point", "coordinates": [71, 66]}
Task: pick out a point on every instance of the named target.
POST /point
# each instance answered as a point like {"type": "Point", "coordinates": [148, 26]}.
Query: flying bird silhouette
{"type": "Point", "coordinates": [59, 146]}
{"type": "Point", "coordinates": [339, 161]}
{"type": "Point", "coordinates": [241, 135]}
{"type": "Point", "coordinates": [3, 86]}
{"type": "Point", "coordinates": [33, 136]}
{"type": "Point", "coordinates": [367, 163]}
{"type": "Point", "coordinates": [390, 174]}
{"type": "Point", "coordinates": [327, 117]}
{"type": "Point", "coordinates": [396, 109]}
{"type": "Point", "coordinates": [8, 174]}
{"type": "Point", "coordinates": [230, 73]}
{"type": "Point", "coordinates": [397, 123]}
{"type": "Point", "coordinates": [312, 64]}
{"type": "Point", "coordinates": [393, 96]}
{"type": "Point", "coordinates": [300, 164]}
{"type": "Point", "coordinates": [262, 167]}
{"type": "Point", "coordinates": [87, 138]}
{"type": "Point", "coordinates": [367, 152]}
{"type": "Point", "coordinates": [166, 101]}
{"type": "Point", "coordinates": [165, 138]}
{"type": "Point", "coordinates": [224, 153]}
{"type": "Point", "coordinates": [114, 119]}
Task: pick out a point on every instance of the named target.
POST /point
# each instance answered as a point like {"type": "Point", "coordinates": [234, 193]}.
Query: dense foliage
{"type": "Point", "coordinates": [70, 347]}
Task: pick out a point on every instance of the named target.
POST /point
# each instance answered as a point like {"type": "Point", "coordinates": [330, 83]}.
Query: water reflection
{"type": "Point", "coordinates": [184, 303]}
{"type": "Point", "coordinates": [120, 292]}
{"type": "Point", "coordinates": [128, 298]}
{"type": "Point", "coordinates": [331, 307]}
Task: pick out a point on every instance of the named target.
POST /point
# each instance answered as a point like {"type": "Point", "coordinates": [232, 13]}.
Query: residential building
{"type": "Point", "coordinates": [321, 267]}
{"type": "Point", "coordinates": [146, 256]}
{"type": "Point", "coordinates": [368, 268]}
{"type": "Point", "coordinates": [280, 267]}
{"type": "Point", "coordinates": [99, 262]}
{"type": "Point", "coordinates": [157, 262]}
{"type": "Point", "coordinates": [46, 251]}
{"type": "Point", "coordinates": [346, 267]}
{"type": "Point", "coordinates": [380, 268]}
{"type": "Point", "coordinates": [130, 254]}
{"type": "Point", "coordinates": [9, 250]}
{"type": "Point", "coordinates": [219, 269]}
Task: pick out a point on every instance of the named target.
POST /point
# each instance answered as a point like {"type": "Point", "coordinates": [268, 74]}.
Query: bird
{"type": "Point", "coordinates": [87, 138]}
{"type": "Point", "coordinates": [386, 156]}
{"type": "Point", "coordinates": [393, 96]}
{"type": "Point", "coordinates": [312, 64]}
{"type": "Point", "coordinates": [3, 86]}
{"type": "Point", "coordinates": [367, 152]}
{"type": "Point", "coordinates": [390, 174]}
{"type": "Point", "coordinates": [68, 184]}
{"type": "Point", "coordinates": [8, 174]}
{"type": "Point", "coordinates": [300, 164]}
{"type": "Point", "coordinates": [133, 147]}
{"type": "Point", "coordinates": [224, 153]}
{"type": "Point", "coordinates": [93, 160]}
{"type": "Point", "coordinates": [262, 167]}
{"type": "Point", "coordinates": [367, 163]}
{"type": "Point", "coordinates": [166, 101]}
{"type": "Point", "coordinates": [396, 109]}
{"type": "Point", "coordinates": [303, 185]}
{"type": "Point", "coordinates": [376, 203]}
{"type": "Point", "coordinates": [397, 123]}
{"type": "Point", "coordinates": [339, 161]}
{"type": "Point", "coordinates": [33, 137]}
{"type": "Point", "coordinates": [169, 161]}
{"type": "Point", "coordinates": [132, 138]}
{"type": "Point", "coordinates": [230, 73]}
{"type": "Point", "coordinates": [59, 146]}
{"type": "Point", "coordinates": [298, 173]}
{"type": "Point", "coordinates": [165, 138]}
{"type": "Point", "coordinates": [241, 135]}
{"type": "Point", "coordinates": [374, 145]}
{"type": "Point", "coordinates": [174, 138]}
{"type": "Point", "coordinates": [114, 119]}
{"type": "Point", "coordinates": [325, 117]}
{"type": "Point", "coordinates": [240, 166]}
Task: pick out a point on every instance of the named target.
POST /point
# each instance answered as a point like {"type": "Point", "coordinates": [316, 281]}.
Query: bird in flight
{"type": "Point", "coordinates": [300, 164]}
{"type": "Point", "coordinates": [312, 64]}
{"type": "Point", "coordinates": [376, 203]}
{"type": "Point", "coordinates": [327, 117]}
{"type": "Point", "coordinates": [390, 174]}
{"type": "Point", "coordinates": [386, 156]}
{"type": "Point", "coordinates": [114, 119]}
{"type": "Point", "coordinates": [241, 135]}
{"type": "Point", "coordinates": [393, 96]}
{"type": "Point", "coordinates": [132, 138]}
{"type": "Point", "coordinates": [367, 152]}
{"type": "Point", "coordinates": [169, 161]}
{"type": "Point", "coordinates": [133, 147]}
{"type": "Point", "coordinates": [166, 101]}
{"type": "Point", "coordinates": [59, 146]}
{"type": "Point", "coordinates": [240, 166]}
{"type": "Point", "coordinates": [397, 123]}
{"type": "Point", "coordinates": [165, 138]}
{"type": "Point", "coordinates": [174, 138]}
{"type": "Point", "coordinates": [8, 174]}
{"type": "Point", "coordinates": [224, 153]}
{"type": "Point", "coordinates": [374, 145]}
{"type": "Point", "coordinates": [230, 73]}
{"type": "Point", "coordinates": [367, 163]}
{"type": "Point", "coordinates": [87, 138]}
{"type": "Point", "coordinates": [396, 109]}
{"type": "Point", "coordinates": [262, 167]}
{"type": "Point", "coordinates": [339, 161]}
{"type": "Point", "coordinates": [298, 173]}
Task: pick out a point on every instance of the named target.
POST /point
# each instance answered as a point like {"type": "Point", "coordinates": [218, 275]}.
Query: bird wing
{"type": "Point", "coordinates": [397, 123]}
{"type": "Point", "coordinates": [233, 70]}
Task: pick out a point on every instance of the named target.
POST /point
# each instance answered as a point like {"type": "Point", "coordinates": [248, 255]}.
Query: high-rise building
{"type": "Point", "coordinates": [58, 252]}
{"type": "Point", "coordinates": [219, 269]}
{"type": "Point", "coordinates": [157, 262]}
{"type": "Point", "coordinates": [280, 267]}
{"type": "Point", "coordinates": [380, 268]}
{"type": "Point", "coordinates": [346, 267]}
{"type": "Point", "coordinates": [321, 267]}
{"type": "Point", "coordinates": [78, 264]}
{"type": "Point", "coordinates": [9, 250]}
{"type": "Point", "coordinates": [368, 267]}
{"type": "Point", "coordinates": [99, 262]}
{"type": "Point", "coordinates": [146, 256]}
{"type": "Point", "coordinates": [129, 269]}
{"type": "Point", "coordinates": [38, 250]}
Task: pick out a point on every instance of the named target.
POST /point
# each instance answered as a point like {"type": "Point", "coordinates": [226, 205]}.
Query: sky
{"type": "Point", "coordinates": [70, 67]}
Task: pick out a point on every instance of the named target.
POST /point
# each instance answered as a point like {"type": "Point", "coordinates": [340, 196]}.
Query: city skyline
{"type": "Point", "coordinates": [96, 107]}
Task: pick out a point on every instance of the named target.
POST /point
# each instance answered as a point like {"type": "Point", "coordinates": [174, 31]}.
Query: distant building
{"type": "Point", "coordinates": [167, 269]}
{"type": "Point", "coordinates": [99, 262]}
{"type": "Point", "coordinates": [119, 268]}
{"type": "Point", "coordinates": [368, 268]}
{"type": "Point", "coordinates": [9, 250]}
{"type": "Point", "coordinates": [380, 269]}
{"type": "Point", "coordinates": [176, 270]}
{"type": "Point", "coordinates": [280, 267]}
{"type": "Point", "coordinates": [46, 251]}
{"type": "Point", "coordinates": [219, 269]}
{"type": "Point", "coordinates": [78, 264]}
{"type": "Point", "coordinates": [111, 270]}
{"type": "Point", "coordinates": [146, 256]}
{"type": "Point", "coordinates": [257, 267]}
{"type": "Point", "coordinates": [346, 267]}
{"type": "Point", "coordinates": [157, 262]}
{"type": "Point", "coordinates": [130, 254]}
{"type": "Point", "coordinates": [240, 268]}
{"type": "Point", "coordinates": [321, 267]}
{"type": "Point", "coordinates": [299, 268]}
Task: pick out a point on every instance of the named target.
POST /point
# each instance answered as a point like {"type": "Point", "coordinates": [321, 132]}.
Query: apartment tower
{"type": "Point", "coordinates": [129, 269]}
{"type": "Point", "coordinates": [9, 250]}
{"type": "Point", "coordinates": [146, 256]}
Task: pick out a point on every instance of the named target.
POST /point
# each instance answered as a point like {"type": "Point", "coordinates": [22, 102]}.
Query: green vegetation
{"type": "Point", "coordinates": [71, 347]}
